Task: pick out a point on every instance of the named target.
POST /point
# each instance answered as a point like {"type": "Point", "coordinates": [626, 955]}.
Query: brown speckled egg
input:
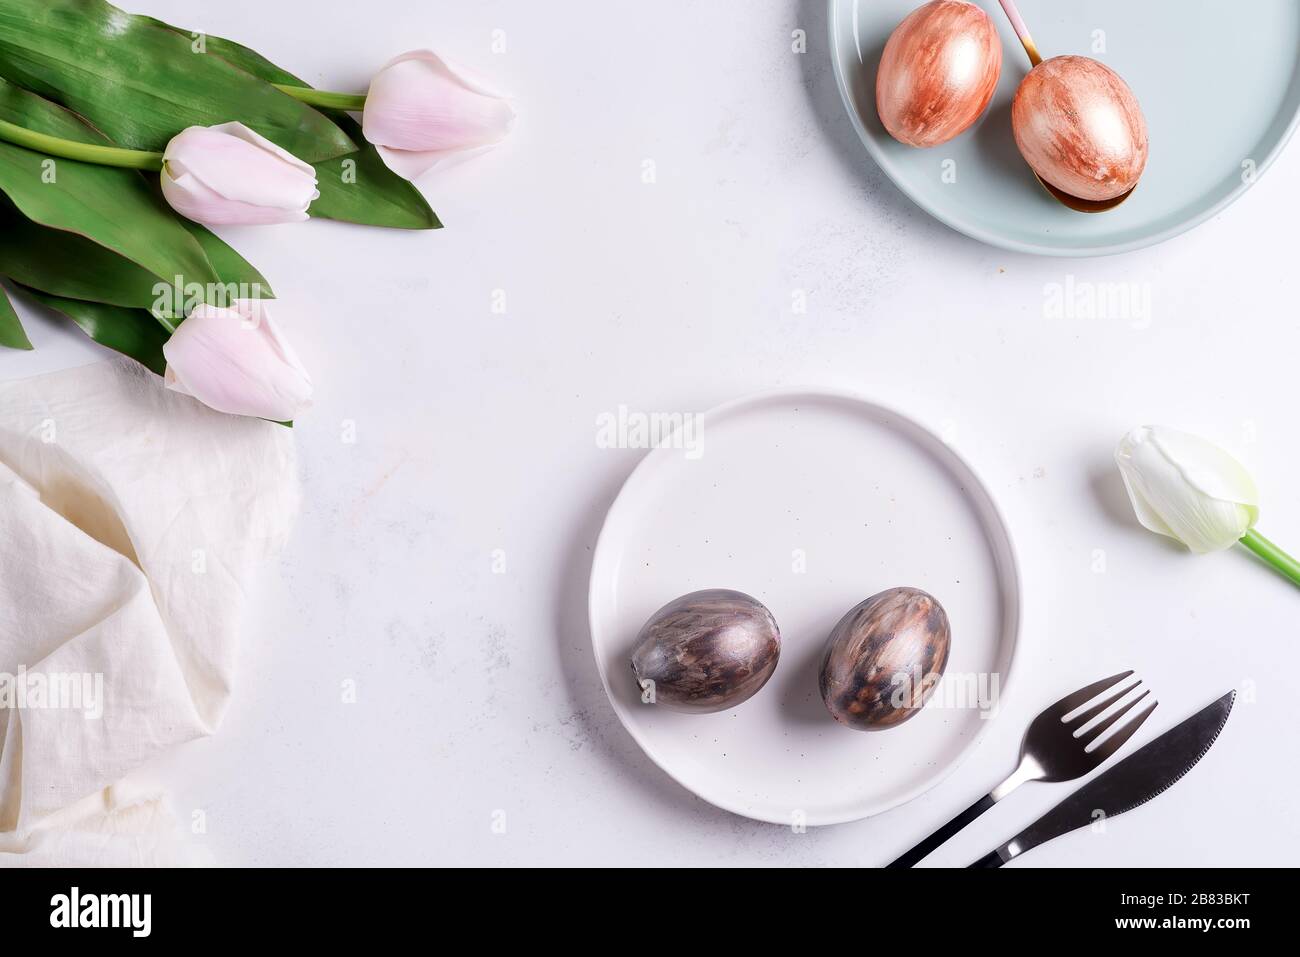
{"type": "Point", "coordinates": [1080, 128]}
{"type": "Point", "coordinates": [938, 72]}
{"type": "Point", "coordinates": [707, 651]}
{"type": "Point", "coordinates": [884, 658]}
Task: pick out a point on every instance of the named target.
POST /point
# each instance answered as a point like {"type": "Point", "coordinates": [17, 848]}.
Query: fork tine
{"type": "Point", "coordinates": [1084, 695]}
{"type": "Point", "coordinates": [1116, 740]}
{"type": "Point", "coordinates": [1092, 734]}
{"type": "Point", "coordinates": [1098, 708]}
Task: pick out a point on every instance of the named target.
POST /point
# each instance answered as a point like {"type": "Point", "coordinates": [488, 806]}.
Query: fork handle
{"type": "Point", "coordinates": [910, 858]}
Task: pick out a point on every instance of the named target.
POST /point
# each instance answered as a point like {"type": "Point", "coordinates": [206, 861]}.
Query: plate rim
{"type": "Point", "coordinates": [990, 238]}
{"type": "Point", "coordinates": [1012, 582]}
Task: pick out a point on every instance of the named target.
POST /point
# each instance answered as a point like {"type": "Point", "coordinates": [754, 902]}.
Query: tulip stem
{"type": "Point", "coordinates": [351, 102]}
{"type": "Point", "coordinates": [1022, 31]}
{"type": "Point", "coordinates": [1273, 555]}
{"type": "Point", "coordinates": [82, 152]}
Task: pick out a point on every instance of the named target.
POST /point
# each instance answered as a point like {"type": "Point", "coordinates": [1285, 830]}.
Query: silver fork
{"type": "Point", "coordinates": [1053, 750]}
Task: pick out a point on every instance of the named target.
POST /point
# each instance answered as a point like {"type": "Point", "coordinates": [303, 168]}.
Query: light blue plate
{"type": "Point", "coordinates": [1219, 83]}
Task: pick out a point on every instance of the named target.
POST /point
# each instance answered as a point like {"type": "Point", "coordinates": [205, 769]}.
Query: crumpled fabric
{"type": "Point", "coordinates": [128, 825]}
{"type": "Point", "coordinates": [132, 524]}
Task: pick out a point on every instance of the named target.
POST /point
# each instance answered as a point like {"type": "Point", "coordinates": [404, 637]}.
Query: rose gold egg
{"type": "Point", "coordinates": [1079, 127]}
{"type": "Point", "coordinates": [938, 72]}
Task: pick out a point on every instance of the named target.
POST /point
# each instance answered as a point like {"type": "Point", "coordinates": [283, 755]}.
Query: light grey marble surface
{"type": "Point", "coordinates": [440, 562]}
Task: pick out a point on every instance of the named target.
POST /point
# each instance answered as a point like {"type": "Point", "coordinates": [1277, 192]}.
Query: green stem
{"type": "Point", "coordinates": [352, 102]}
{"type": "Point", "coordinates": [82, 152]}
{"type": "Point", "coordinates": [1273, 555]}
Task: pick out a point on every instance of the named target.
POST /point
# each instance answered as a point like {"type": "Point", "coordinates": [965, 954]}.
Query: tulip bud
{"type": "Point", "coordinates": [420, 110]}
{"type": "Point", "coordinates": [235, 361]}
{"type": "Point", "coordinates": [229, 175]}
{"type": "Point", "coordinates": [1187, 488]}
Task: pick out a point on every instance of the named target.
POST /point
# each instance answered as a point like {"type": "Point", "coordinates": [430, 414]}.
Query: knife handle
{"type": "Point", "coordinates": [910, 858]}
{"type": "Point", "coordinates": [991, 859]}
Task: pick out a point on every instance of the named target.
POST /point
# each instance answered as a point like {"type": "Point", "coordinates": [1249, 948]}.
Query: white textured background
{"type": "Point", "coordinates": [477, 691]}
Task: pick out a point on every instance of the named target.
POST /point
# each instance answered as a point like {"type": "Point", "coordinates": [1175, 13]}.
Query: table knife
{"type": "Point", "coordinates": [1141, 776]}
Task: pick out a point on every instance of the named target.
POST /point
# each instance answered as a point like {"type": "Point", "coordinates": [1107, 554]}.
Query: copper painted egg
{"type": "Point", "coordinates": [707, 651]}
{"type": "Point", "coordinates": [1080, 128]}
{"type": "Point", "coordinates": [884, 658]}
{"type": "Point", "coordinates": [938, 72]}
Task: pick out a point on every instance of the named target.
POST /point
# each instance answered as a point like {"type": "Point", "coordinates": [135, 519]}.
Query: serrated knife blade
{"type": "Point", "coordinates": [1144, 774]}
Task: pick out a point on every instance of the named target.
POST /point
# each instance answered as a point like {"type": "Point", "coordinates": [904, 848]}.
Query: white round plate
{"type": "Point", "coordinates": [810, 502]}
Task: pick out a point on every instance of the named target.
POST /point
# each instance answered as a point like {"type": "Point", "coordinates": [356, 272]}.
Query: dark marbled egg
{"type": "Point", "coordinates": [884, 658]}
{"type": "Point", "coordinates": [707, 651]}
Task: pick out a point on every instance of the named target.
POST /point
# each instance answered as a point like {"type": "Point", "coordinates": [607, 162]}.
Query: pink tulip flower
{"type": "Point", "coordinates": [234, 360]}
{"type": "Point", "coordinates": [228, 175]}
{"type": "Point", "coordinates": [420, 110]}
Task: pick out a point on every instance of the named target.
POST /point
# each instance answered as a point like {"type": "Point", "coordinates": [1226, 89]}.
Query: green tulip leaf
{"type": "Point", "coordinates": [360, 188]}
{"type": "Point", "coordinates": [132, 332]}
{"type": "Point", "coordinates": [141, 84]}
{"type": "Point", "coordinates": [356, 188]}
{"type": "Point", "coordinates": [232, 268]}
{"type": "Point", "coordinates": [113, 208]}
{"type": "Point", "coordinates": [12, 335]}
{"type": "Point", "coordinates": [67, 264]}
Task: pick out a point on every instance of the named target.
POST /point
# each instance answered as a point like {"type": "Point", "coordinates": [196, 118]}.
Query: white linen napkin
{"type": "Point", "coordinates": [132, 521]}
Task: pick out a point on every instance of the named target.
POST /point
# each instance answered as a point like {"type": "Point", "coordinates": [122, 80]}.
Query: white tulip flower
{"type": "Point", "coordinates": [1193, 491]}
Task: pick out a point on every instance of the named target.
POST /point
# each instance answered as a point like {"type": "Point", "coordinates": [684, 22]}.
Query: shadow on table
{"type": "Point", "coordinates": [827, 108]}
